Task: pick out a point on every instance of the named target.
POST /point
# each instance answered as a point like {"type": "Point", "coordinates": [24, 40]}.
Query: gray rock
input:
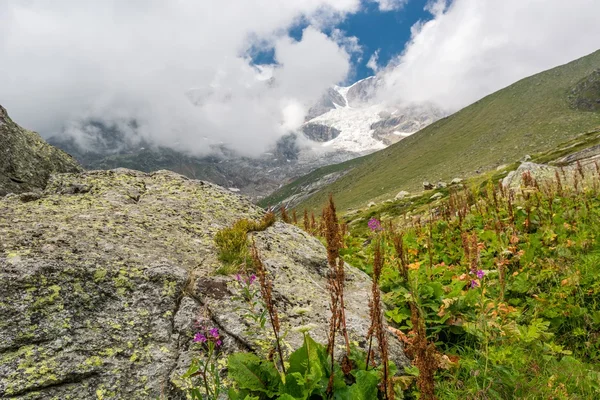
{"type": "Point", "coordinates": [26, 160]}
{"type": "Point", "coordinates": [428, 186]}
{"type": "Point", "coordinates": [319, 133]}
{"type": "Point", "coordinates": [100, 291]}
{"type": "Point", "coordinates": [525, 158]}
{"type": "Point", "coordinates": [436, 196]}
{"type": "Point", "coordinates": [456, 181]}
{"type": "Point", "coordinates": [441, 185]}
{"type": "Point", "coordinates": [401, 195]}
{"type": "Point", "coordinates": [371, 204]}
{"type": "Point", "coordinates": [539, 172]}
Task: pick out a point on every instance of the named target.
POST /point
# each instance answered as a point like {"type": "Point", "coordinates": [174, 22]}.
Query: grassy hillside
{"type": "Point", "coordinates": [532, 115]}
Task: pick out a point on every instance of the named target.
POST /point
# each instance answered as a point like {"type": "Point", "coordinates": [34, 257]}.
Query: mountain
{"type": "Point", "coordinates": [254, 177]}
{"type": "Point", "coordinates": [26, 161]}
{"type": "Point", "coordinates": [346, 123]}
{"type": "Point", "coordinates": [532, 115]}
{"type": "Point", "coordinates": [352, 119]}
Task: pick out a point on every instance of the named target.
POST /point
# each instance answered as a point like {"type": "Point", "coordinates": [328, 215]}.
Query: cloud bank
{"type": "Point", "coordinates": [471, 48]}
{"type": "Point", "coordinates": [182, 71]}
{"type": "Point", "coordinates": [67, 61]}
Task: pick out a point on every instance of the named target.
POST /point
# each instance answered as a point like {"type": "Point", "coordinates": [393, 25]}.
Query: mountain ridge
{"type": "Point", "coordinates": [531, 115]}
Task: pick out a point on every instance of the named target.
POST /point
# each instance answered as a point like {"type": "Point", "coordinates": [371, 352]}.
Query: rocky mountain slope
{"type": "Point", "coordinates": [105, 273]}
{"type": "Point", "coordinates": [352, 119]}
{"type": "Point", "coordinates": [533, 115]}
{"type": "Point", "coordinates": [26, 161]}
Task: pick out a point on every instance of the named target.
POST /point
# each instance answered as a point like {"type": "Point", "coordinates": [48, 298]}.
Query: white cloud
{"type": "Point", "coordinates": [372, 63]}
{"type": "Point", "coordinates": [67, 60]}
{"type": "Point", "coordinates": [472, 48]}
{"type": "Point", "coordinates": [390, 5]}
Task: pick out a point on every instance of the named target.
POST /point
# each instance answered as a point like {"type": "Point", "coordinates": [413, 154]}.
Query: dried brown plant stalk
{"type": "Point", "coordinates": [336, 282]}
{"type": "Point", "coordinates": [284, 215]}
{"type": "Point", "coordinates": [266, 290]}
{"type": "Point", "coordinates": [377, 329]}
{"type": "Point", "coordinates": [423, 355]}
{"type": "Point", "coordinates": [401, 255]}
{"type": "Point", "coordinates": [306, 221]}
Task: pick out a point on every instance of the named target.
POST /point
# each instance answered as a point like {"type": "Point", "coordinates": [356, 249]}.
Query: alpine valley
{"type": "Point", "coordinates": [345, 123]}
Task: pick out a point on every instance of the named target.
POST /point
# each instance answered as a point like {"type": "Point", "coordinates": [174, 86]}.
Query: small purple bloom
{"type": "Point", "coordinates": [480, 274]}
{"type": "Point", "coordinates": [200, 338]}
{"type": "Point", "coordinates": [474, 284]}
{"type": "Point", "coordinates": [214, 332]}
{"type": "Point", "coordinates": [374, 224]}
{"type": "Point", "coordinates": [219, 343]}
{"type": "Point", "coordinates": [252, 279]}
{"type": "Point", "coordinates": [238, 277]}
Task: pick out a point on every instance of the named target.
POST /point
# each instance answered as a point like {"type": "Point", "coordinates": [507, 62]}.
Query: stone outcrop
{"type": "Point", "coordinates": [319, 133]}
{"type": "Point", "coordinates": [105, 272]}
{"type": "Point", "coordinates": [26, 161]}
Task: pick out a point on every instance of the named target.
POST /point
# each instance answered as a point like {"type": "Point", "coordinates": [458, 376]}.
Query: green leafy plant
{"type": "Point", "coordinates": [307, 376]}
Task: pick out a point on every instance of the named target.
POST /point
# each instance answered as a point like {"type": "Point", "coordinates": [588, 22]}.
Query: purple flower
{"type": "Point", "coordinates": [374, 224]}
{"type": "Point", "coordinates": [214, 332]}
{"type": "Point", "coordinates": [238, 277]}
{"type": "Point", "coordinates": [480, 274]}
{"type": "Point", "coordinates": [474, 284]}
{"type": "Point", "coordinates": [252, 279]}
{"type": "Point", "coordinates": [219, 343]}
{"type": "Point", "coordinates": [200, 338]}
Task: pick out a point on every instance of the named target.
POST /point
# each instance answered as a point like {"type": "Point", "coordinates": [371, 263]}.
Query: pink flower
{"type": "Point", "coordinates": [374, 224]}
{"type": "Point", "coordinates": [200, 338]}
{"type": "Point", "coordinates": [474, 284]}
{"type": "Point", "coordinates": [480, 274]}
{"type": "Point", "coordinates": [214, 332]}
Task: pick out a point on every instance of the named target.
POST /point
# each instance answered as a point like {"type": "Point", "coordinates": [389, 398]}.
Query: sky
{"type": "Point", "coordinates": [195, 74]}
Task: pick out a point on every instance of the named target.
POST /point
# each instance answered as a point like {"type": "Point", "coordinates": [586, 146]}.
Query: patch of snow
{"type": "Point", "coordinates": [355, 127]}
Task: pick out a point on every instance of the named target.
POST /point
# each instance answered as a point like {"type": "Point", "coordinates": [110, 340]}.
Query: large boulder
{"type": "Point", "coordinates": [26, 161]}
{"type": "Point", "coordinates": [104, 274]}
{"type": "Point", "coordinates": [539, 172]}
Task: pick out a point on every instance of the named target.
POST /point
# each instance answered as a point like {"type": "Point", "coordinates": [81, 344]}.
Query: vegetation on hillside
{"type": "Point", "coordinates": [532, 115]}
{"type": "Point", "coordinates": [493, 291]}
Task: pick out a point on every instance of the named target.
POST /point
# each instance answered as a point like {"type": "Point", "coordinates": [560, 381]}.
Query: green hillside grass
{"type": "Point", "coordinates": [532, 115]}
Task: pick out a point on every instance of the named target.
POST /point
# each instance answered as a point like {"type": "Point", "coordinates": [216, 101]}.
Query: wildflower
{"type": "Point", "coordinates": [219, 343]}
{"type": "Point", "coordinates": [200, 338]}
{"type": "Point", "coordinates": [474, 284]}
{"type": "Point", "coordinates": [238, 277]}
{"type": "Point", "coordinates": [251, 279]}
{"type": "Point", "coordinates": [214, 332]}
{"type": "Point", "coordinates": [374, 224]}
{"type": "Point", "coordinates": [480, 274]}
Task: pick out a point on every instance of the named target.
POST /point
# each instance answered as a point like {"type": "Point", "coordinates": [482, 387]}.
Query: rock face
{"type": "Point", "coordinates": [105, 272]}
{"type": "Point", "coordinates": [320, 133]}
{"type": "Point", "coordinates": [26, 161]}
{"type": "Point", "coordinates": [585, 96]}
{"type": "Point", "coordinates": [327, 102]}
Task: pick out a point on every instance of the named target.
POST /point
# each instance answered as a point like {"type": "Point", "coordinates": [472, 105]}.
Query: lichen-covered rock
{"type": "Point", "coordinates": [26, 161]}
{"type": "Point", "coordinates": [104, 273]}
{"type": "Point", "coordinates": [540, 172]}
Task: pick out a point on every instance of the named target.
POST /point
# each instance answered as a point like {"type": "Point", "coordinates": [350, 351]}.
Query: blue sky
{"type": "Point", "coordinates": [384, 31]}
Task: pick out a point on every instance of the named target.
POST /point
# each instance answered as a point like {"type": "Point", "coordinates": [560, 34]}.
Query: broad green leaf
{"type": "Point", "coordinates": [365, 387]}
{"type": "Point", "coordinates": [254, 374]}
